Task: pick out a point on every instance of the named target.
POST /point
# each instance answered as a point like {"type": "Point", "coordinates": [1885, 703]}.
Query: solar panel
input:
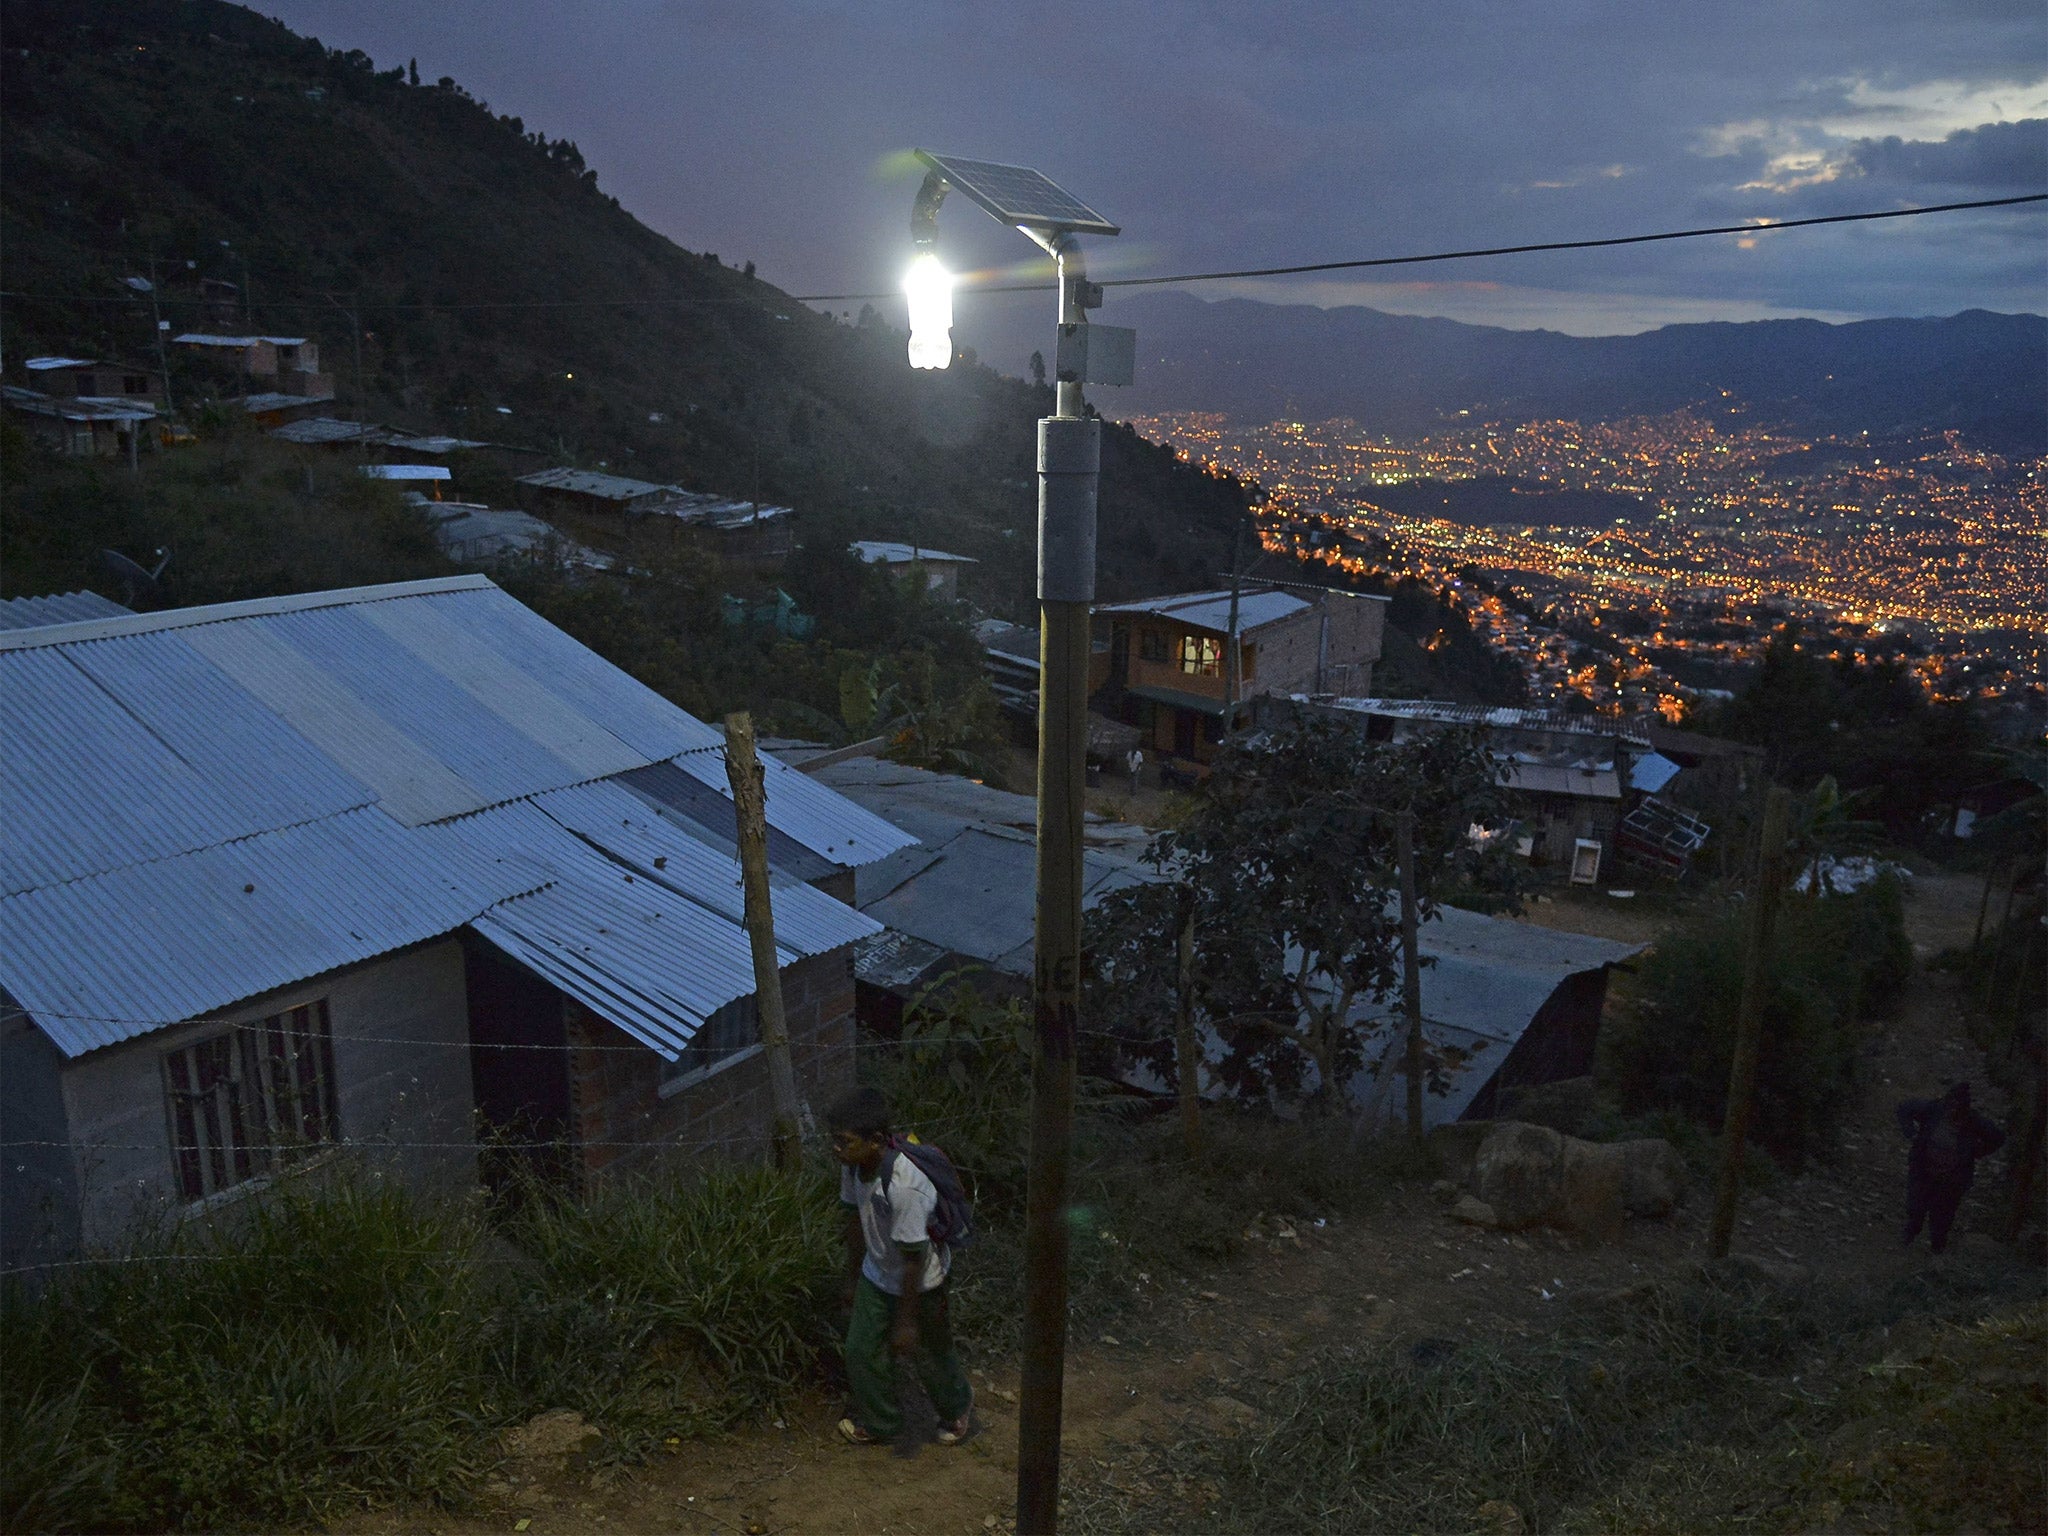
{"type": "Point", "coordinates": [1018, 195]}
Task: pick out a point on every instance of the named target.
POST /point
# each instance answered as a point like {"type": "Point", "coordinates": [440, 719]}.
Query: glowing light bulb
{"type": "Point", "coordinates": [929, 288]}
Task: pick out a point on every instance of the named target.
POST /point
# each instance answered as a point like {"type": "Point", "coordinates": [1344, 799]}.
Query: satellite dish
{"type": "Point", "coordinates": [134, 580]}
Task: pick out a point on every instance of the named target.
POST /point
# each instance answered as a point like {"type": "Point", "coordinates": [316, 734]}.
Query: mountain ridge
{"type": "Point", "coordinates": [1405, 373]}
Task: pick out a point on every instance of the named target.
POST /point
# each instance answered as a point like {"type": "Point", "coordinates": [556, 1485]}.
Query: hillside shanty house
{"type": "Point", "coordinates": [75, 378]}
{"type": "Point", "coordinates": [933, 569]}
{"type": "Point", "coordinates": [375, 872]}
{"type": "Point", "coordinates": [1580, 785]}
{"type": "Point", "coordinates": [1169, 667]}
{"type": "Point", "coordinates": [289, 365]}
{"type": "Point", "coordinates": [742, 532]}
{"type": "Point", "coordinates": [85, 409]}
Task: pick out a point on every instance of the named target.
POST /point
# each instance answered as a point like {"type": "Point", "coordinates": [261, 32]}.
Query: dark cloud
{"type": "Point", "coordinates": [1997, 158]}
{"type": "Point", "coordinates": [1223, 134]}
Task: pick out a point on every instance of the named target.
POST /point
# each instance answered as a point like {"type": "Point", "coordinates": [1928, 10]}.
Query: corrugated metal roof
{"type": "Point", "coordinates": [588, 482]}
{"type": "Point", "coordinates": [202, 339]}
{"type": "Point", "coordinates": [317, 430]}
{"type": "Point", "coordinates": [1256, 606]}
{"type": "Point", "coordinates": [1495, 717]}
{"type": "Point", "coordinates": [1487, 980]}
{"type": "Point", "coordinates": [807, 921]}
{"type": "Point", "coordinates": [405, 472]}
{"type": "Point", "coordinates": [57, 608]}
{"type": "Point", "coordinates": [271, 400]}
{"type": "Point", "coordinates": [806, 810]}
{"type": "Point", "coordinates": [104, 959]}
{"type": "Point", "coordinates": [45, 364]}
{"type": "Point", "coordinates": [363, 760]}
{"type": "Point", "coordinates": [883, 552]}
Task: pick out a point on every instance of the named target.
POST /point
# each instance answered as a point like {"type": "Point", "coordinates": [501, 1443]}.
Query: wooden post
{"type": "Point", "coordinates": [1411, 969]}
{"type": "Point", "coordinates": [1763, 903]}
{"type": "Point", "coordinates": [1062, 737]}
{"type": "Point", "coordinates": [1187, 1049]}
{"type": "Point", "coordinates": [750, 809]}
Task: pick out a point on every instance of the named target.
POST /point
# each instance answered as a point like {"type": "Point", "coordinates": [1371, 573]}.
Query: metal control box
{"type": "Point", "coordinates": [1097, 354]}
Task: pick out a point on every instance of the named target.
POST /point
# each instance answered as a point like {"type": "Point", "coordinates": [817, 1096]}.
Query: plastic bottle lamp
{"type": "Point", "coordinates": [928, 287]}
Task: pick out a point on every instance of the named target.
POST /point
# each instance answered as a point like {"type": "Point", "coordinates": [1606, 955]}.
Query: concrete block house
{"type": "Point", "coordinates": [401, 873]}
{"type": "Point", "coordinates": [1168, 658]}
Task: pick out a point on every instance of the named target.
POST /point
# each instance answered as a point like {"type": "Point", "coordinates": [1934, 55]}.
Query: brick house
{"type": "Point", "coordinates": [402, 873]}
{"type": "Point", "coordinates": [1168, 658]}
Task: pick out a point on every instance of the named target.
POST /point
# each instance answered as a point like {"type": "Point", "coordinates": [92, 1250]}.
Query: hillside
{"type": "Point", "coordinates": [465, 274]}
{"type": "Point", "coordinates": [489, 269]}
{"type": "Point", "coordinates": [1976, 371]}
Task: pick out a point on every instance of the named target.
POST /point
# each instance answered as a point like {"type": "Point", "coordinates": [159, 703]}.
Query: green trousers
{"type": "Point", "coordinates": [871, 1364]}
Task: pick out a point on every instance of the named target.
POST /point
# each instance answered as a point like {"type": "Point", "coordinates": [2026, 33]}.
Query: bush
{"type": "Point", "coordinates": [351, 1343]}
{"type": "Point", "coordinates": [1835, 961]}
{"type": "Point", "coordinates": [326, 1349]}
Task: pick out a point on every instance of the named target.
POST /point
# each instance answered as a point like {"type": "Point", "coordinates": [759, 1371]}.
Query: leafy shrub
{"type": "Point", "coordinates": [1834, 962]}
{"type": "Point", "coordinates": [323, 1349]}
{"type": "Point", "coordinates": [685, 1301]}
{"type": "Point", "coordinates": [335, 1345]}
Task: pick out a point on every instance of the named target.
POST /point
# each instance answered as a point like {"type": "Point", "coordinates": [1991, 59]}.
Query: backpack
{"type": "Point", "coordinates": [952, 1219]}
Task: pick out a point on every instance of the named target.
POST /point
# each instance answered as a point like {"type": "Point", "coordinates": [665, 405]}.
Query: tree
{"type": "Point", "coordinates": [1287, 866]}
{"type": "Point", "coordinates": [412, 72]}
{"type": "Point", "coordinates": [1038, 369]}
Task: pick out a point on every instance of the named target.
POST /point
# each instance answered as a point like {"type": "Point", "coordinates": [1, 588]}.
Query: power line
{"type": "Point", "coordinates": [1348, 265]}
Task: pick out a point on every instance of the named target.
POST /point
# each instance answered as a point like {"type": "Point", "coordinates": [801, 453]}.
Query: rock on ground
{"type": "Point", "coordinates": [1533, 1176]}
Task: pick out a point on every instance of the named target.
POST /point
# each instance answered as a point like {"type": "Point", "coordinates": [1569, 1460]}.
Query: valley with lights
{"type": "Point", "coordinates": [1640, 563]}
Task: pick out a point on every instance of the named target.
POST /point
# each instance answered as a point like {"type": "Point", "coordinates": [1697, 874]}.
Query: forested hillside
{"type": "Point", "coordinates": [465, 273]}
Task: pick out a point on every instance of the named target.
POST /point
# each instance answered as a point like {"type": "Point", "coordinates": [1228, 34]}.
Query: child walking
{"type": "Point", "coordinates": [898, 1279]}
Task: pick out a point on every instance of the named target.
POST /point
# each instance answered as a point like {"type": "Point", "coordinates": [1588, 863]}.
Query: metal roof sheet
{"type": "Point", "coordinates": [1652, 772]}
{"type": "Point", "coordinates": [825, 822]}
{"type": "Point", "coordinates": [1487, 980]}
{"type": "Point", "coordinates": [883, 552]}
{"type": "Point", "coordinates": [405, 472]}
{"type": "Point", "coordinates": [45, 364]}
{"type": "Point", "coordinates": [1495, 717]}
{"type": "Point", "coordinates": [807, 921]}
{"type": "Point", "coordinates": [220, 802]}
{"type": "Point", "coordinates": [57, 608]}
{"type": "Point", "coordinates": [588, 482]}
{"type": "Point", "coordinates": [106, 958]}
{"type": "Point", "coordinates": [316, 430]}
{"type": "Point", "coordinates": [271, 400]}
{"type": "Point", "coordinates": [1256, 606]}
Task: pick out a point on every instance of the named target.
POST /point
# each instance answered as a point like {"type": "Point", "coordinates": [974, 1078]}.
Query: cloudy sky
{"type": "Point", "coordinates": [1225, 133]}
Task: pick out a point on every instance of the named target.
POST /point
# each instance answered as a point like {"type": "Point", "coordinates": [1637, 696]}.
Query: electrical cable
{"type": "Point", "coordinates": [1296, 270]}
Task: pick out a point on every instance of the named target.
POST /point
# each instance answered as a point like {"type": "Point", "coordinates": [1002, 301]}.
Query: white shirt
{"type": "Point", "coordinates": [894, 1221]}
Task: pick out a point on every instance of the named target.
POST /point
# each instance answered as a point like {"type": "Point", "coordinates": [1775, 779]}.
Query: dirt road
{"type": "Point", "coordinates": [1406, 1273]}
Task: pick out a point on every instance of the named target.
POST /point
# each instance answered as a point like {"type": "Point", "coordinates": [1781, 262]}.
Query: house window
{"type": "Point", "coordinates": [250, 1101]}
{"type": "Point", "coordinates": [1151, 645]}
{"type": "Point", "coordinates": [1200, 655]}
{"type": "Point", "coordinates": [728, 1036]}
{"type": "Point", "coordinates": [135, 384]}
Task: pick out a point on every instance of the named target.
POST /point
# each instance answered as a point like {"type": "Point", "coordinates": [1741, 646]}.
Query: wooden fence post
{"type": "Point", "coordinates": [1763, 903]}
{"type": "Point", "coordinates": [750, 808]}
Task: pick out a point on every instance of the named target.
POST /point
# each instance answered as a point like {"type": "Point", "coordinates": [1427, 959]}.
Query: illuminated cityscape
{"type": "Point", "coordinates": [1707, 530]}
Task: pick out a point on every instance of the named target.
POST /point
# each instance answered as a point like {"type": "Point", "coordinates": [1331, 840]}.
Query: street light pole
{"type": "Point", "coordinates": [1069, 465]}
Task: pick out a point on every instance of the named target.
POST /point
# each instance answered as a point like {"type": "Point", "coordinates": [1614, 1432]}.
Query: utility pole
{"type": "Point", "coordinates": [1411, 967]}
{"type": "Point", "coordinates": [1187, 1052]}
{"type": "Point", "coordinates": [1069, 469]}
{"type": "Point", "coordinates": [1233, 660]}
{"type": "Point", "coordinates": [750, 808]}
{"type": "Point", "coordinates": [1763, 905]}
{"type": "Point", "coordinates": [156, 319]}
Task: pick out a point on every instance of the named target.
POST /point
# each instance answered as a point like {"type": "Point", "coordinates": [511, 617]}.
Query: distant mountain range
{"type": "Point", "coordinates": [1980, 372]}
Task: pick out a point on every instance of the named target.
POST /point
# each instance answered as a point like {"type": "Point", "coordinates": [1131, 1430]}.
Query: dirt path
{"type": "Point", "coordinates": [1404, 1273]}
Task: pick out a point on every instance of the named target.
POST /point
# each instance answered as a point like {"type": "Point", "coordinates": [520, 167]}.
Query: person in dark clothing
{"type": "Point", "coordinates": [1948, 1137]}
